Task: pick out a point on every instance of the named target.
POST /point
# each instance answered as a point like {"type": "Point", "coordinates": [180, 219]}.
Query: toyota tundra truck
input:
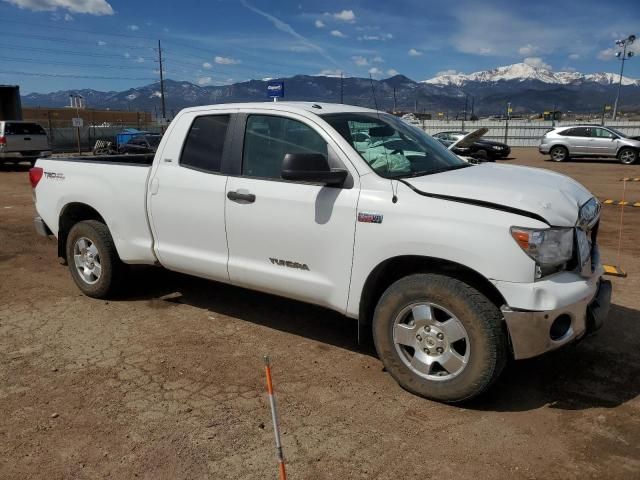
{"type": "Point", "coordinates": [455, 268]}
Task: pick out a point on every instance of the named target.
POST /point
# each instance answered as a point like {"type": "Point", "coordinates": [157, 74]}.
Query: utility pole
{"type": "Point", "coordinates": [394, 100]}
{"type": "Point", "coordinates": [622, 56]}
{"type": "Point", "coordinates": [506, 125]}
{"type": "Point", "coordinates": [164, 112]}
{"type": "Point", "coordinates": [473, 103]}
{"type": "Point", "coordinates": [342, 87]}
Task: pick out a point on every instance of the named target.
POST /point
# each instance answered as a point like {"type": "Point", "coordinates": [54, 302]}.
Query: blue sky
{"type": "Point", "coordinates": [49, 45]}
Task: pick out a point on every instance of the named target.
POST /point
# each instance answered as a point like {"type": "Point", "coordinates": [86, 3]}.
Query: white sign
{"type": "Point", "coordinates": [77, 122]}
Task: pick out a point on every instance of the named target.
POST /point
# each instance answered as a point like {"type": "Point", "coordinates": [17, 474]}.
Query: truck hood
{"type": "Point", "coordinates": [541, 193]}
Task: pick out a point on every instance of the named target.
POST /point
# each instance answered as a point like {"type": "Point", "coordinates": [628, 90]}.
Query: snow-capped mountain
{"type": "Point", "coordinates": [523, 72]}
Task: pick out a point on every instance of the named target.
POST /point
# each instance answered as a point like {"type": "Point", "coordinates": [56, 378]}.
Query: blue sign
{"type": "Point", "coordinates": [275, 89]}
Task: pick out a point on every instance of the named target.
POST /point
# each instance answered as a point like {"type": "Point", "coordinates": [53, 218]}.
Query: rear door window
{"type": "Point", "coordinates": [204, 145]}
{"type": "Point", "coordinates": [23, 129]}
{"type": "Point", "coordinates": [577, 132]}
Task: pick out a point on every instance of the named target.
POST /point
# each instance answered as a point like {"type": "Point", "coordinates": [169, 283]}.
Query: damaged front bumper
{"type": "Point", "coordinates": [533, 333]}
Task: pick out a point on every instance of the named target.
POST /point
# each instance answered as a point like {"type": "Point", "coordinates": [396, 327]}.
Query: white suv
{"type": "Point", "coordinates": [589, 141]}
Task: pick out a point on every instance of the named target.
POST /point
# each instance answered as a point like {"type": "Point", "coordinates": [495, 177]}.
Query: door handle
{"type": "Point", "coordinates": [241, 197]}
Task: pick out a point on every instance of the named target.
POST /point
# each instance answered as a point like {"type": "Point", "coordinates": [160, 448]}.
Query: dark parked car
{"type": "Point", "coordinates": [147, 143]}
{"type": "Point", "coordinates": [482, 148]}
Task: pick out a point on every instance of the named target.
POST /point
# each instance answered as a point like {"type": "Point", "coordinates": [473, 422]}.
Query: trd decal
{"type": "Point", "coordinates": [366, 217]}
{"type": "Point", "coordinates": [287, 263]}
{"type": "Point", "coordinates": [54, 176]}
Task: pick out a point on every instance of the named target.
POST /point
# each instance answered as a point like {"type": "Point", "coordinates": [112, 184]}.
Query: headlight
{"type": "Point", "coordinates": [589, 213]}
{"type": "Point", "coordinates": [550, 248]}
{"type": "Point", "coordinates": [496, 147]}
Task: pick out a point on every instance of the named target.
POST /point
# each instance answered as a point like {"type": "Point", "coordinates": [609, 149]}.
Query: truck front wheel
{"type": "Point", "coordinates": [93, 259]}
{"type": "Point", "coordinates": [439, 338]}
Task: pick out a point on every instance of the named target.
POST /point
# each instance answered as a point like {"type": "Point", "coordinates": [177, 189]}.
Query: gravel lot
{"type": "Point", "coordinates": [141, 387]}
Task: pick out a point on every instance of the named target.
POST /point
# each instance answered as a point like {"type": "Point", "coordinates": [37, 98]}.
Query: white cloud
{"type": "Point", "coordinates": [139, 60]}
{"type": "Point", "coordinates": [285, 27]}
{"type": "Point", "coordinates": [127, 55]}
{"type": "Point", "coordinates": [204, 80]}
{"type": "Point", "coordinates": [319, 24]}
{"type": "Point", "coordinates": [574, 56]}
{"type": "Point", "coordinates": [133, 28]}
{"type": "Point", "coordinates": [102, 43]}
{"type": "Point", "coordinates": [226, 60]}
{"type": "Point", "coordinates": [375, 71]}
{"type": "Point", "coordinates": [380, 38]}
{"type": "Point", "coordinates": [607, 54]}
{"type": "Point", "coordinates": [360, 61]}
{"type": "Point", "coordinates": [537, 62]}
{"type": "Point", "coordinates": [330, 73]}
{"type": "Point", "coordinates": [91, 7]}
{"type": "Point", "coordinates": [338, 33]}
{"type": "Point", "coordinates": [300, 48]}
{"type": "Point", "coordinates": [414, 53]}
{"type": "Point", "coordinates": [528, 50]}
{"type": "Point", "coordinates": [392, 72]}
{"type": "Point", "coordinates": [450, 71]}
{"type": "Point", "coordinates": [207, 65]}
{"type": "Point", "coordinates": [68, 17]}
{"type": "Point", "coordinates": [377, 59]}
{"type": "Point", "coordinates": [345, 16]}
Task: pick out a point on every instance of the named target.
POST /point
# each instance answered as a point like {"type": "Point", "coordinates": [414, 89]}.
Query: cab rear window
{"type": "Point", "coordinates": [23, 129]}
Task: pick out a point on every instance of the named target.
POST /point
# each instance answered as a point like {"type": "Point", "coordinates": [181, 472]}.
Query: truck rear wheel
{"type": "Point", "coordinates": [439, 337]}
{"type": "Point", "coordinates": [93, 259]}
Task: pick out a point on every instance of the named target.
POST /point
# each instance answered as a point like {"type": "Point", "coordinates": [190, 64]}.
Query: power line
{"type": "Point", "coordinates": [51, 62]}
{"type": "Point", "coordinates": [80, 30]}
{"type": "Point", "coordinates": [61, 75]}
{"type": "Point", "coordinates": [67, 40]}
{"type": "Point", "coordinates": [65, 52]}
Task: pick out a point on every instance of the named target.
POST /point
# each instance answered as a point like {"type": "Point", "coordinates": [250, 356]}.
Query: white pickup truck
{"type": "Point", "coordinates": [454, 267]}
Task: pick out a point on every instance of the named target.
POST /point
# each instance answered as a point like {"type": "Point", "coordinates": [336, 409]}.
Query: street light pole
{"type": "Point", "coordinates": [624, 43]}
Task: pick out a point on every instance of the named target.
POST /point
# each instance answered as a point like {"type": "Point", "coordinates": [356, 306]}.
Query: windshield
{"type": "Point", "coordinates": [617, 132]}
{"type": "Point", "coordinates": [392, 147]}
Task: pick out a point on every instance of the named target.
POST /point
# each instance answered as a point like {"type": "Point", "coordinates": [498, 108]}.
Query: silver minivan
{"type": "Point", "coordinates": [23, 141]}
{"type": "Point", "coordinates": [589, 141]}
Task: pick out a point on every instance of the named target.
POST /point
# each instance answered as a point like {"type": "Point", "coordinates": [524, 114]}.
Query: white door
{"type": "Point", "coordinates": [289, 238]}
{"type": "Point", "coordinates": [187, 198]}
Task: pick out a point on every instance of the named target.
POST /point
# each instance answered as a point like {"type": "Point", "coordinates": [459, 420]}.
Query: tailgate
{"type": "Point", "coordinates": [27, 143]}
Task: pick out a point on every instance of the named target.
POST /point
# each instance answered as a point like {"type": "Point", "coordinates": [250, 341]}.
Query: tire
{"type": "Point", "coordinates": [485, 344]}
{"type": "Point", "coordinates": [481, 154]}
{"type": "Point", "coordinates": [627, 156]}
{"type": "Point", "coordinates": [89, 244]}
{"type": "Point", "coordinates": [559, 154]}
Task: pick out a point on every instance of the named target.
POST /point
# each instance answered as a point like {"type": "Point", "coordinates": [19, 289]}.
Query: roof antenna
{"type": "Point", "coordinates": [394, 198]}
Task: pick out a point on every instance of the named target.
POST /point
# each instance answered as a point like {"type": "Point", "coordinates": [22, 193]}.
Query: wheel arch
{"type": "Point", "coordinates": [71, 214]}
{"type": "Point", "coordinates": [392, 269]}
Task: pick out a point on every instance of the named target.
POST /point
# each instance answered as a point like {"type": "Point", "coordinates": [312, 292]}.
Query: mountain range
{"type": "Point", "coordinates": [528, 88]}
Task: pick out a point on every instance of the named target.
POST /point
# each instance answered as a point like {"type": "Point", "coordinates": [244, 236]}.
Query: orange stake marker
{"type": "Point", "coordinates": [274, 418]}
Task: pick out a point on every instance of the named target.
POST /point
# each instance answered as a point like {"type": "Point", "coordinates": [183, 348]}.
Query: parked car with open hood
{"type": "Point", "coordinates": [482, 148]}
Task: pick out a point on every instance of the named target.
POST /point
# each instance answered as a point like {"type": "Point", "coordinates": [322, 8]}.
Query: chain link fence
{"type": "Point", "coordinates": [64, 137]}
{"type": "Point", "coordinates": [516, 133]}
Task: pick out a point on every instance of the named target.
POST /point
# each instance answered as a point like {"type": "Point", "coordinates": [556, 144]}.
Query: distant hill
{"type": "Point", "coordinates": [529, 89]}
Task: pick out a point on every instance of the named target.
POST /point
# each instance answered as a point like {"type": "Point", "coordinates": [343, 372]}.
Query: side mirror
{"type": "Point", "coordinates": [311, 167]}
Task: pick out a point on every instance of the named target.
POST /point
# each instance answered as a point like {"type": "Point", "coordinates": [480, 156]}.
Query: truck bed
{"type": "Point", "coordinates": [115, 186]}
{"type": "Point", "coordinates": [145, 160]}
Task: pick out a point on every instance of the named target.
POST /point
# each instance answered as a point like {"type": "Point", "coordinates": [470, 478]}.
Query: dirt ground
{"type": "Point", "coordinates": [147, 388]}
